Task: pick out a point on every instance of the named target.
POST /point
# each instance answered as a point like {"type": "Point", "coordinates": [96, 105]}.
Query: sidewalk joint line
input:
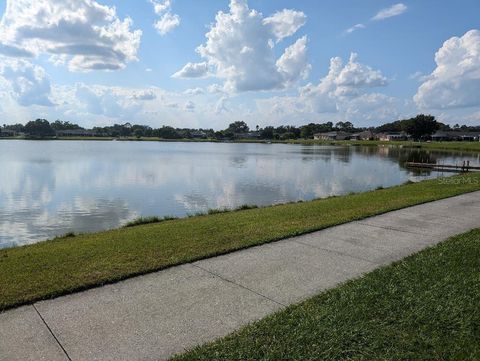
{"type": "Point", "coordinates": [51, 332]}
{"type": "Point", "coordinates": [237, 284]}
{"type": "Point", "coordinates": [392, 229]}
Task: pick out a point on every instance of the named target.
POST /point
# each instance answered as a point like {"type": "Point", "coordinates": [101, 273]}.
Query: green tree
{"type": "Point", "coordinates": [166, 132]}
{"type": "Point", "coordinates": [420, 126]}
{"type": "Point", "coordinates": [308, 131]}
{"type": "Point", "coordinates": [238, 127]}
{"type": "Point", "coordinates": [345, 126]}
{"type": "Point", "coordinates": [59, 125]}
{"type": "Point", "coordinates": [39, 128]}
{"type": "Point", "coordinates": [15, 127]}
{"type": "Point", "coordinates": [267, 133]}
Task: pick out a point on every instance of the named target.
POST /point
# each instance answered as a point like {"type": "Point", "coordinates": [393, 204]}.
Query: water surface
{"type": "Point", "coordinates": [50, 188]}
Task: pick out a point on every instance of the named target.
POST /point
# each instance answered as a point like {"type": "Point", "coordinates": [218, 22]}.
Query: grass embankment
{"type": "Point", "coordinates": [69, 264]}
{"type": "Point", "coordinates": [422, 308]}
{"type": "Point", "coordinates": [447, 146]}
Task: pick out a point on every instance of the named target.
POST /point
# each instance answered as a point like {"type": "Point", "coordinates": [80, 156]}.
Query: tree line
{"type": "Point", "coordinates": [420, 127]}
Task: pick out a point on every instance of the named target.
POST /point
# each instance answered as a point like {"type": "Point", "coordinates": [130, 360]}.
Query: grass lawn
{"type": "Point", "coordinates": [70, 264]}
{"type": "Point", "coordinates": [447, 146]}
{"type": "Point", "coordinates": [425, 307]}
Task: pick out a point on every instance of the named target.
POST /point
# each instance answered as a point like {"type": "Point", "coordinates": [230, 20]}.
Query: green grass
{"type": "Point", "coordinates": [66, 265]}
{"type": "Point", "coordinates": [460, 146]}
{"type": "Point", "coordinates": [447, 146]}
{"type": "Point", "coordinates": [425, 307]}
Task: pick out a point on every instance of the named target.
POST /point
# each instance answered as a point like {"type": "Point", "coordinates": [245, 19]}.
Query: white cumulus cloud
{"type": "Point", "coordinates": [240, 50]}
{"type": "Point", "coordinates": [455, 82]}
{"type": "Point", "coordinates": [145, 95]}
{"type": "Point", "coordinates": [167, 21]}
{"type": "Point", "coordinates": [344, 93]}
{"type": "Point", "coordinates": [221, 106]}
{"type": "Point", "coordinates": [285, 23]}
{"type": "Point", "coordinates": [192, 70]}
{"type": "Point", "coordinates": [394, 10]}
{"type": "Point", "coordinates": [27, 83]}
{"type": "Point", "coordinates": [342, 82]}
{"type": "Point", "coordinates": [87, 35]}
{"type": "Point", "coordinates": [110, 102]}
{"type": "Point", "coordinates": [194, 91]}
{"type": "Point", "coordinates": [293, 64]}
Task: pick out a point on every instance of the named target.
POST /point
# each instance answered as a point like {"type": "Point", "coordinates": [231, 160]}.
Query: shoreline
{"type": "Point", "coordinates": [70, 264]}
{"type": "Point", "coordinates": [455, 146]}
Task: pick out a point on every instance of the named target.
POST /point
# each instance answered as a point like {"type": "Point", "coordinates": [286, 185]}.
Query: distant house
{"type": "Point", "coordinates": [455, 136]}
{"type": "Point", "coordinates": [75, 133]}
{"type": "Point", "coordinates": [332, 136]}
{"type": "Point", "coordinates": [387, 137]}
{"type": "Point", "coordinates": [366, 135]}
{"type": "Point", "coordinates": [4, 132]}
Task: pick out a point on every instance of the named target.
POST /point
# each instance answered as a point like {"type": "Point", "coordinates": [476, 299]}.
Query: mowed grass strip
{"type": "Point", "coordinates": [446, 146]}
{"type": "Point", "coordinates": [425, 307]}
{"type": "Point", "coordinates": [70, 264]}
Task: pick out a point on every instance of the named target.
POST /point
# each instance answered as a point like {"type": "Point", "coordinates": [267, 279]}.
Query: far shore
{"type": "Point", "coordinates": [466, 146]}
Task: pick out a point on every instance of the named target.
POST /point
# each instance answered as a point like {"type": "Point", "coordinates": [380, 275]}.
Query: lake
{"type": "Point", "coordinates": [49, 188]}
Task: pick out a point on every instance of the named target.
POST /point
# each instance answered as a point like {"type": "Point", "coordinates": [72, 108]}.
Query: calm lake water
{"type": "Point", "coordinates": [49, 188]}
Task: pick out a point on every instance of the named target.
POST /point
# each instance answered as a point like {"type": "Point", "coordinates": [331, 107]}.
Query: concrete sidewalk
{"type": "Point", "coordinates": [158, 315]}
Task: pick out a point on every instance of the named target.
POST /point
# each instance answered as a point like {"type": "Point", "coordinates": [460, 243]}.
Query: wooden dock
{"type": "Point", "coordinates": [460, 168]}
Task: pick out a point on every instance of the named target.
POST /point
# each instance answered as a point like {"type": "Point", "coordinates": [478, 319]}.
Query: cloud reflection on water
{"type": "Point", "coordinates": [51, 188]}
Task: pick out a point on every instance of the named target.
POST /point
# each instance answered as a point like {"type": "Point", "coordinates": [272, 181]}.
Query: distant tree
{"type": "Point", "coordinates": [39, 128]}
{"type": "Point", "coordinates": [60, 125]}
{"type": "Point", "coordinates": [15, 127]}
{"type": "Point", "coordinates": [309, 130]}
{"type": "Point", "coordinates": [124, 130]}
{"type": "Point", "coordinates": [293, 132]}
{"type": "Point", "coordinates": [420, 126]}
{"type": "Point", "coordinates": [166, 132]}
{"type": "Point", "coordinates": [444, 127]}
{"type": "Point", "coordinates": [345, 126]}
{"type": "Point", "coordinates": [228, 134]}
{"type": "Point", "coordinates": [238, 127]}
{"type": "Point", "coordinates": [287, 136]}
{"type": "Point", "coordinates": [218, 135]}
{"type": "Point", "coordinates": [142, 130]}
{"type": "Point", "coordinates": [390, 127]}
{"type": "Point", "coordinates": [267, 133]}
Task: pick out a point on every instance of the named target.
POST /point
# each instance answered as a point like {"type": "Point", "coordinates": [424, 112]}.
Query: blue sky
{"type": "Point", "coordinates": [263, 61]}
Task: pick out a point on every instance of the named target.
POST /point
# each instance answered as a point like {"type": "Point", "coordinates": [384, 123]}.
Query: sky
{"type": "Point", "coordinates": [207, 63]}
